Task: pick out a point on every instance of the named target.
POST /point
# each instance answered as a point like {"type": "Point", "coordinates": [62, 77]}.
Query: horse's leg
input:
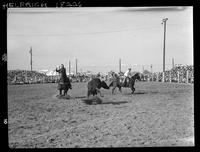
{"type": "Point", "coordinates": [88, 94]}
{"type": "Point", "coordinates": [65, 92]}
{"type": "Point", "coordinates": [113, 89]}
{"type": "Point", "coordinates": [60, 91]}
{"type": "Point", "coordinates": [124, 84]}
{"type": "Point", "coordinates": [120, 89]}
{"type": "Point", "coordinates": [98, 91]}
{"type": "Point", "coordinates": [133, 89]}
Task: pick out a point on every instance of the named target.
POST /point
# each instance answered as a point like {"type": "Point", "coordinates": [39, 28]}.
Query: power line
{"type": "Point", "coordinates": [91, 33]}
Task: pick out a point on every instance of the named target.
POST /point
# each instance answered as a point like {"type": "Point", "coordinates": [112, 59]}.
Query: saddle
{"type": "Point", "coordinates": [64, 84]}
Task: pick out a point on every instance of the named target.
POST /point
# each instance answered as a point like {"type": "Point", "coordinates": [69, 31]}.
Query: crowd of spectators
{"type": "Point", "coordinates": [26, 77]}
{"type": "Point", "coordinates": [179, 73]}
{"type": "Point", "coordinates": [31, 77]}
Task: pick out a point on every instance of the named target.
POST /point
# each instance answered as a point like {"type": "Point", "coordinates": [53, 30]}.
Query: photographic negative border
{"type": "Point", "coordinates": [92, 3]}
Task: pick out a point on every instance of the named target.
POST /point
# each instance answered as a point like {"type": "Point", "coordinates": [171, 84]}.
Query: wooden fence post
{"type": "Point", "coordinates": [26, 80]}
{"type": "Point", "coordinates": [15, 79]}
{"type": "Point", "coordinates": [187, 76]}
{"type": "Point", "coordinates": [163, 78]}
{"type": "Point", "coordinates": [178, 76]}
{"type": "Point", "coordinates": [157, 78]}
{"type": "Point", "coordinates": [35, 79]}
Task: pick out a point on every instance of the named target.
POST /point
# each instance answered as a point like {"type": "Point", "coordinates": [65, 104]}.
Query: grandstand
{"type": "Point", "coordinates": [26, 77]}
{"type": "Point", "coordinates": [180, 74]}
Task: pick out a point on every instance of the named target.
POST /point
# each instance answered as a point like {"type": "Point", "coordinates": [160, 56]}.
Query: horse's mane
{"type": "Point", "coordinates": [135, 75]}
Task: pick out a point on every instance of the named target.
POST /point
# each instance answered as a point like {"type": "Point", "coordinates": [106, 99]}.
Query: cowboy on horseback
{"type": "Point", "coordinates": [64, 80]}
{"type": "Point", "coordinates": [116, 80]}
{"type": "Point", "coordinates": [62, 72]}
{"type": "Point", "coordinates": [127, 76]}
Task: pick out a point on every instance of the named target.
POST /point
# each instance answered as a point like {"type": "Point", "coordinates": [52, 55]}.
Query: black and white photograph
{"type": "Point", "coordinates": [95, 77]}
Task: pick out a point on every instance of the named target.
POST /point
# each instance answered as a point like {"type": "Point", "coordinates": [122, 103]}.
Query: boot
{"type": "Point", "coordinates": [124, 83]}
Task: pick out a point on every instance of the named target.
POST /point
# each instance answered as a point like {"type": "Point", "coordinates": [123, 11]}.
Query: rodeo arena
{"type": "Point", "coordinates": [131, 105]}
{"type": "Point", "coordinates": [156, 114]}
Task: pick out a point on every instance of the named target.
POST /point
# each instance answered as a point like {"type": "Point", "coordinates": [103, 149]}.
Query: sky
{"type": "Point", "coordinates": [98, 37]}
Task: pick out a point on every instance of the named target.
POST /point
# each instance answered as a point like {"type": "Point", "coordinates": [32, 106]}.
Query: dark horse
{"type": "Point", "coordinates": [64, 82]}
{"type": "Point", "coordinates": [66, 85]}
{"type": "Point", "coordinates": [130, 83]}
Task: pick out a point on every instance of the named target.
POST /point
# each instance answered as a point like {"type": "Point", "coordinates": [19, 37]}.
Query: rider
{"type": "Point", "coordinates": [113, 74]}
{"type": "Point", "coordinates": [63, 75]}
{"type": "Point", "coordinates": [127, 75]}
{"type": "Point", "coordinates": [113, 77]}
{"type": "Point", "coordinates": [64, 82]}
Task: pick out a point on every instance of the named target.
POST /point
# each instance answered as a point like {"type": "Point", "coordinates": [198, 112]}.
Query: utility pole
{"type": "Point", "coordinates": [172, 63]}
{"type": "Point", "coordinates": [119, 65]}
{"type": "Point", "coordinates": [31, 62]}
{"type": "Point", "coordinates": [69, 68]}
{"type": "Point", "coordinates": [151, 72]}
{"type": "Point", "coordinates": [164, 22]}
{"type": "Point", "coordinates": [76, 67]}
{"type": "Point", "coordinates": [143, 68]}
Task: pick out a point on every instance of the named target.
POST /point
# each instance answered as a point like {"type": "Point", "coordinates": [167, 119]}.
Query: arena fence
{"type": "Point", "coordinates": [178, 74]}
{"type": "Point", "coordinates": [178, 77]}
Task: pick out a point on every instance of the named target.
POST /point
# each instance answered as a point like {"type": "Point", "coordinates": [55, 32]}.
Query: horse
{"type": "Point", "coordinates": [117, 83]}
{"type": "Point", "coordinates": [66, 85]}
{"type": "Point", "coordinates": [94, 86]}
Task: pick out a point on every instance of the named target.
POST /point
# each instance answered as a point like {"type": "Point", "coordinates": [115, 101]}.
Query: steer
{"type": "Point", "coordinates": [94, 86]}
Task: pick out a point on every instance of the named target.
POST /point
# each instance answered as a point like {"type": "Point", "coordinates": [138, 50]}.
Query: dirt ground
{"type": "Point", "coordinates": [158, 114]}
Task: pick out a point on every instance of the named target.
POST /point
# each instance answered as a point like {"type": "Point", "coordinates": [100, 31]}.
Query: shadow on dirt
{"type": "Point", "coordinates": [63, 96]}
{"type": "Point", "coordinates": [141, 93]}
{"type": "Point", "coordinates": [152, 92]}
{"type": "Point", "coordinates": [93, 100]}
{"type": "Point", "coordinates": [97, 100]}
{"type": "Point", "coordinates": [81, 97]}
{"type": "Point", "coordinates": [135, 93]}
{"type": "Point", "coordinates": [115, 103]}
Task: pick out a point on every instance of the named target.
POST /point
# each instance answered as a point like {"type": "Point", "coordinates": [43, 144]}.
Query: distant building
{"type": "Point", "coordinates": [43, 71]}
{"type": "Point", "coordinates": [52, 73]}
